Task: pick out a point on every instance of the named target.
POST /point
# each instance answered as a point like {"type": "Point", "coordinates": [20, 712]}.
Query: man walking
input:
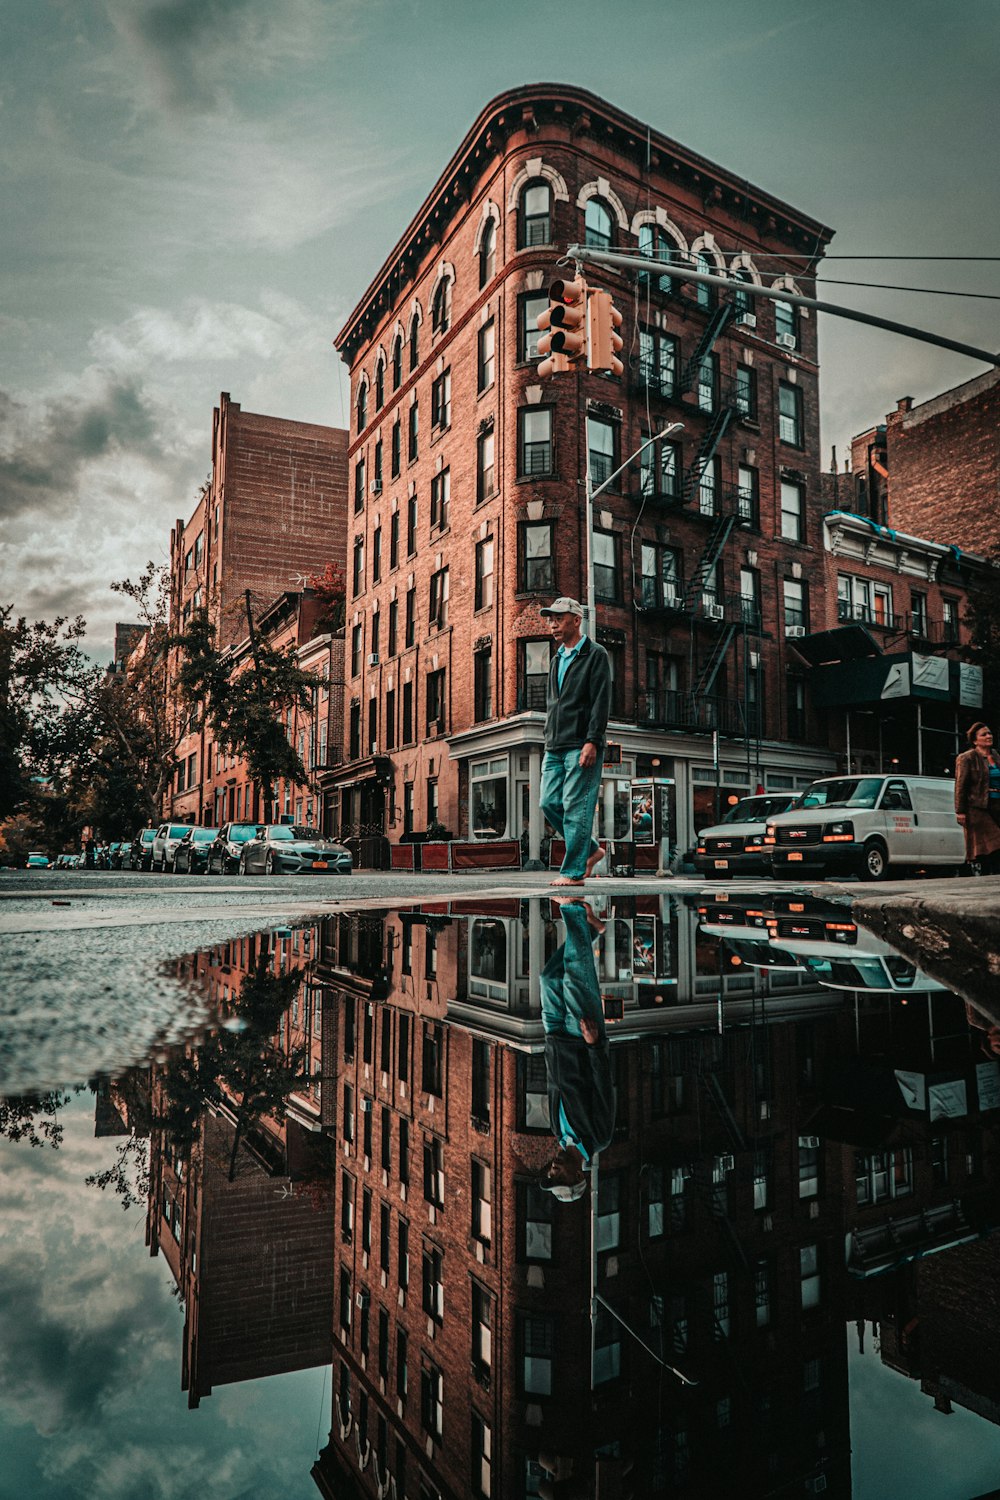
{"type": "Point", "coordinates": [578, 702]}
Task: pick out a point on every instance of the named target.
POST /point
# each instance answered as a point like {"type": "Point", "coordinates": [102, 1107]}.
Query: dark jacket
{"type": "Point", "coordinates": [581, 1080]}
{"type": "Point", "coordinates": [972, 782]}
{"type": "Point", "coordinates": [578, 715]}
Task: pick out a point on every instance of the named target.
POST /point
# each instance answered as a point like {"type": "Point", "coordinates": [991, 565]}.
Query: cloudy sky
{"type": "Point", "coordinates": [195, 192]}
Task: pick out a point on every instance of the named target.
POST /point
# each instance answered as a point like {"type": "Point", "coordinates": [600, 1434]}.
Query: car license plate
{"type": "Point", "coordinates": [320, 864]}
{"type": "Point", "coordinates": [795, 855]}
{"type": "Point", "coordinates": [722, 864]}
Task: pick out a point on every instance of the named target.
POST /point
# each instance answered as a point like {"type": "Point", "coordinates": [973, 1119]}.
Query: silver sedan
{"type": "Point", "coordinates": [293, 849]}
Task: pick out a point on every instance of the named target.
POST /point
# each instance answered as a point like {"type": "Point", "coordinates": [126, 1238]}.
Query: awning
{"type": "Point", "coordinates": [909, 675]}
{"type": "Point", "coordinates": [377, 768]}
{"type": "Point", "coordinates": [846, 643]}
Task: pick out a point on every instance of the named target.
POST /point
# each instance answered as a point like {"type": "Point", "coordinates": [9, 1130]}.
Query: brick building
{"type": "Point", "coordinates": [273, 513]}
{"type": "Point", "coordinates": [467, 477]}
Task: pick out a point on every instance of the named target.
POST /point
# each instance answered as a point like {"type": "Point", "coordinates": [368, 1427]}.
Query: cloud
{"type": "Point", "coordinates": [45, 446]}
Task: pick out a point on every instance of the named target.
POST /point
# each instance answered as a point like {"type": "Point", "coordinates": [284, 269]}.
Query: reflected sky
{"type": "Point", "coordinates": [383, 1191]}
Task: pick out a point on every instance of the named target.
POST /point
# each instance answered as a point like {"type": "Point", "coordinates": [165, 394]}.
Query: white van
{"type": "Point", "coordinates": [736, 845]}
{"type": "Point", "coordinates": [869, 826]}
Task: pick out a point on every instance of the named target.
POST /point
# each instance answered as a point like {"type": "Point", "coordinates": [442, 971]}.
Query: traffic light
{"type": "Point", "coordinates": [603, 339]}
{"type": "Point", "coordinates": [564, 338]}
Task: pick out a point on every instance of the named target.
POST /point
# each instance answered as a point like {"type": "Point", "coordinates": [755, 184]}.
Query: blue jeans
{"type": "Point", "coordinates": [569, 800]}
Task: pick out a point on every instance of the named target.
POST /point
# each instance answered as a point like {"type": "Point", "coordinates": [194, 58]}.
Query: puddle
{"type": "Point", "coordinates": [653, 1195]}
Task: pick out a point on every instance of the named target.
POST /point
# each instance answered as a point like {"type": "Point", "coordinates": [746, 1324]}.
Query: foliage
{"type": "Point", "coordinates": [330, 587]}
{"type": "Point", "coordinates": [243, 707]}
{"type": "Point", "coordinates": [41, 668]}
{"type": "Point", "coordinates": [128, 1174]}
{"type": "Point", "coordinates": [34, 1118]}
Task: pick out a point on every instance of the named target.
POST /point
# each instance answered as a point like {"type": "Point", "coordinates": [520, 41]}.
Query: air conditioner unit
{"type": "Point", "coordinates": [366, 1106]}
{"type": "Point", "coordinates": [715, 611]}
{"type": "Point", "coordinates": [795, 632]}
{"type": "Point", "coordinates": [362, 1298]}
{"type": "Point", "coordinates": [785, 340]}
{"type": "Point", "coordinates": [747, 320]}
{"type": "Point", "coordinates": [669, 597]}
{"type": "Point", "coordinates": [376, 486]}
{"type": "Point", "coordinates": [373, 658]}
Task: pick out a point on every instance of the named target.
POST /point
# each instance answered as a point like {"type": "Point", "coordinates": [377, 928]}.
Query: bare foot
{"type": "Point", "coordinates": [565, 880]}
{"type": "Point", "coordinates": [593, 862]}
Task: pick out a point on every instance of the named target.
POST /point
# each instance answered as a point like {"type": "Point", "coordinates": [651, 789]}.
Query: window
{"type": "Point", "coordinates": [809, 1277]}
{"type": "Point", "coordinates": [441, 401]}
{"type": "Point", "coordinates": [810, 1164]}
{"type": "Point", "coordinates": [383, 1343]}
{"type": "Point", "coordinates": [748, 495]}
{"type": "Point", "coordinates": [482, 1202]}
{"type": "Point", "coordinates": [533, 674]}
{"type": "Point", "coordinates": [607, 1347]}
{"type": "Point", "coordinates": [487, 355]}
{"type": "Point", "coordinates": [655, 245]}
{"type": "Point", "coordinates": [433, 1172]}
{"type": "Point", "coordinates": [358, 566]}
{"type": "Point", "coordinates": [414, 342]}
{"type": "Point", "coordinates": [413, 432]}
{"type": "Point", "coordinates": [435, 702]}
{"type": "Point", "coordinates": [796, 612]}
{"type": "Point", "coordinates": [883, 1175]}
{"type": "Point", "coordinates": [792, 512]}
{"type": "Point", "coordinates": [431, 1401]}
{"type": "Point", "coordinates": [380, 385]}
{"type": "Point", "coordinates": [708, 486]}
{"type": "Point", "coordinates": [658, 362]}
{"type": "Point", "coordinates": [376, 554]}
{"type": "Point", "coordinates": [535, 445]}
{"type": "Point", "coordinates": [485, 472]}
{"type": "Point", "coordinates": [790, 414]}
{"type": "Point", "coordinates": [708, 383]}
{"type": "Point", "coordinates": [346, 1305]}
{"type": "Point", "coordinates": [402, 1381]}
{"type": "Point", "coordinates": [359, 485]}
{"type": "Point", "coordinates": [601, 445]}
{"type": "Point", "coordinates": [482, 668]}
{"type": "Point", "coordinates": [411, 529]}
{"type": "Point", "coordinates": [482, 1457]}
{"type": "Point", "coordinates": [796, 700]}
{"type": "Point", "coordinates": [441, 306]}
{"type": "Point", "coordinates": [481, 1081]}
{"type": "Point", "coordinates": [484, 573]}
{"type": "Point", "coordinates": [704, 294]}
{"type": "Point", "coordinates": [528, 332]}
{"type": "Point", "coordinates": [397, 362]}
{"type": "Point", "coordinates": [786, 322]}
{"type": "Point", "coordinates": [482, 1330]}
{"type": "Point", "coordinates": [366, 1221]}
{"type": "Point", "coordinates": [607, 569]}
{"type": "Point", "coordinates": [433, 1283]}
{"type": "Point", "coordinates": [395, 448]}
{"type": "Point", "coordinates": [488, 253]}
{"type": "Point", "coordinates": [762, 1293]}
{"type": "Point", "coordinates": [354, 737]}
{"type": "Point", "coordinates": [440, 500]}
{"type": "Point", "coordinates": [742, 301]}
{"type": "Point", "coordinates": [394, 540]}
{"type": "Point", "coordinates": [918, 614]}
{"type": "Point", "coordinates": [392, 644]}
{"type": "Point", "coordinates": [356, 648]}
{"type": "Point", "coordinates": [750, 610]}
{"type": "Point", "coordinates": [538, 574]}
{"type": "Point", "coordinates": [403, 1248]}
{"type": "Point", "coordinates": [537, 1347]}
{"type": "Point", "coordinates": [762, 1178]}
{"type": "Point", "coordinates": [437, 615]}
{"type": "Point", "coordinates": [535, 1212]}
{"type": "Point", "coordinates": [608, 1226]}
{"type": "Point", "coordinates": [346, 1207]}
{"type": "Point", "coordinates": [746, 392]}
{"type": "Point", "coordinates": [949, 619]}
{"type": "Point", "coordinates": [659, 579]}
{"type": "Point", "coordinates": [597, 224]}
{"type": "Point", "coordinates": [407, 715]}
{"type": "Point", "coordinates": [863, 600]}
{"type": "Point", "coordinates": [375, 632]}
{"type": "Point", "coordinates": [362, 405]}
{"type": "Point", "coordinates": [533, 219]}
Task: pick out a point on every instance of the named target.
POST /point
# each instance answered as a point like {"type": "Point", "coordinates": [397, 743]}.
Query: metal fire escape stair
{"type": "Point", "coordinates": [713, 328]}
{"type": "Point", "coordinates": [713, 436]}
{"type": "Point", "coordinates": [717, 538]}
{"type": "Point", "coordinates": [710, 668]}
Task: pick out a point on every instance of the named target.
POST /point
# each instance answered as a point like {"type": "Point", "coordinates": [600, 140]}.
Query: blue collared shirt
{"type": "Point", "coordinates": [563, 658]}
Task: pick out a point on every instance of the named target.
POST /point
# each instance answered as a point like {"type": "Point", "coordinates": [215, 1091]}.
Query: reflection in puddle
{"type": "Point", "coordinates": [573, 1195]}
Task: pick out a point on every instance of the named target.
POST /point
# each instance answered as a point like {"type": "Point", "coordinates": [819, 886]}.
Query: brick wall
{"type": "Point", "coordinates": [944, 465]}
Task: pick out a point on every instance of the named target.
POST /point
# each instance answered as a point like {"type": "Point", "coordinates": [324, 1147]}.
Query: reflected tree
{"type": "Point", "coordinates": [128, 1174]}
{"type": "Point", "coordinates": [34, 1118]}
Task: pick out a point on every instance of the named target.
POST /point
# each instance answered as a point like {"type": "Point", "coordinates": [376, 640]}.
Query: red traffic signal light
{"type": "Point", "coordinates": [604, 342]}
{"type": "Point", "coordinates": [562, 324]}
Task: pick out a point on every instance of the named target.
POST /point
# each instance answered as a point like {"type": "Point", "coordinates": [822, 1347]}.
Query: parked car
{"type": "Point", "coordinates": [868, 826]}
{"type": "Point", "coordinates": [735, 846]}
{"type": "Point", "coordinates": [140, 854]}
{"type": "Point", "coordinates": [167, 837]}
{"type": "Point", "coordinates": [224, 854]}
{"type": "Point", "coordinates": [117, 852]}
{"type": "Point", "coordinates": [292, 849]}
{"type": "Point", "coordinates": [37, 861]}
{"type": "Point", "coordinates": [191, 854]}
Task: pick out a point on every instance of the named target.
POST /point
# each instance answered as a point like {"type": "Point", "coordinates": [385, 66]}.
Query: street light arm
{"type": "Point", "coordinates": [673, 428]}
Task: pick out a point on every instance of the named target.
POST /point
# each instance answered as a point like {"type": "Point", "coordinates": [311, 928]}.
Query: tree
{"type": "Point", "coordinates": [42, 668]}
{"type": "Point", "coordinates": [243, 702]}
{"type": "Point", "coordinates": [330, 589]}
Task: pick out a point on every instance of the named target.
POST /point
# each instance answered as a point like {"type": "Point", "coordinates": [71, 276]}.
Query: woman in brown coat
{"type": "Point", "coordinates": [977, 798]}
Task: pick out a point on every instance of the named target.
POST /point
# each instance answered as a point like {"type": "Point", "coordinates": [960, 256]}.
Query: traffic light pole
{"type": "Point", "coordinates": [586, 255]}
{"type": "Point", "coordinates": [592, 495]}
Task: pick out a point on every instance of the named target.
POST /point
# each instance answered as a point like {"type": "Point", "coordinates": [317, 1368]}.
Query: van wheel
{"type": "Point", "coordinates": [876, 861]}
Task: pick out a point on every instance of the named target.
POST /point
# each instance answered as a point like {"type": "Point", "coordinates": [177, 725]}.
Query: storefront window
{"type": "Point", "coordinates": [488, 810]}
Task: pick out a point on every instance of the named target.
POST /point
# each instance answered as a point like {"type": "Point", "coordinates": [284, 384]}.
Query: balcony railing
{"type": "Point", "coordinates": [865, 614]}
{"type": "Point", "coordinates": [671, 709]}
{"type": "Point", "coordinates": [934, 632]}
{"type": "Point", "coordinates": [532, 694]}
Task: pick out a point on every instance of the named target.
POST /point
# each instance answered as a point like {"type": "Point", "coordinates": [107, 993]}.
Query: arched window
{"type": "Point", "coordinates": [441, 307]}
{"type": "Point", "coordinates": [656, 245]}
{"type": "Point", "coordinates": [414, 341]}
{"type": "Point", "coordinates": [362, 404]}
{"type": "Point", "coordinates": [397, 362]}
{"type": "Point", "coordinates": [534, 219]}
{"type": "Point", "coordinates": [597, 224]}
{"type": "Point", "coordinates": [379, 385]}
{"type": "Point", "coordinates": [488, 253]}
{"type": "Point", "coordinates": [742, 301]}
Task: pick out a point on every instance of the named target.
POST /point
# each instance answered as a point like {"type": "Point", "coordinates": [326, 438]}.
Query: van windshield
{"type": "Point", "coordinates": [756, 809]}
{"type": "Point", "coordinates": [845, 793]}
